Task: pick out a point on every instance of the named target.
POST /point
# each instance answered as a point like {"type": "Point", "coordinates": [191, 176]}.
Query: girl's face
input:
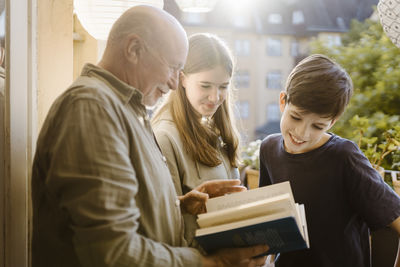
{"type": "Point", "coordinates": [206, 90]}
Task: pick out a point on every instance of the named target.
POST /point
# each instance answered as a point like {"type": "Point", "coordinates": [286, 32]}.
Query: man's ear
{"type": "Point", "coordinates": [282, 100]}
{"type": "Point", "coordinates": [133, 48]}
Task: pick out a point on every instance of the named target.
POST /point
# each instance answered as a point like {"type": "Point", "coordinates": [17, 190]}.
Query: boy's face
{"type": "Point", "coordinates": [302, 132]}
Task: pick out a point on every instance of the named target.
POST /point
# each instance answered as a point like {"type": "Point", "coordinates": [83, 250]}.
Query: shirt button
{"type": "Point", "coordinates": [177, 202]}
{"type": "Point", "coordinates": [164, 159]}
{"type": "Point", "coordinates": [141, 120]}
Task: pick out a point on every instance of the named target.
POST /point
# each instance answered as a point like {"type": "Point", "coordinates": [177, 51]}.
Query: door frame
{"type": "Point", "coordinates": [20, 125]}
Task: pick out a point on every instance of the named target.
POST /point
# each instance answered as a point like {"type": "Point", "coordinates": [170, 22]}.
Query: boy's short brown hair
{"type": "Point", "coordinates": [319, 85]}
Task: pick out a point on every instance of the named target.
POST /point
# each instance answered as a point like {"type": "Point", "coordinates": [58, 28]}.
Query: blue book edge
{"type": "Point", "coordinates": [281, 235]}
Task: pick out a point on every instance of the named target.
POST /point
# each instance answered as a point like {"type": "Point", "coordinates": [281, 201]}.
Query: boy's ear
{"type": "Point", "coordinates": [333, 123]}
{"type": "Point", "coordinates": [282, 100]}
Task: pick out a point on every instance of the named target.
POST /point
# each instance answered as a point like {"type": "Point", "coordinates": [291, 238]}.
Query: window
{"type": "Point", "coordinates": [194, 18]}
{"type": "Point", "coordinates": [297, 17]}
{"type": "Point", "coordinates": [241, 21]}
{"type": "Point", "coordinates": [340, 22]}
{"type": "Point", "coordinates": [242, 47]}
{"type": "Point", "coordinates": [333, 40]}
{"type": "Point", "coordinates": [273, 112]}
{"type": "Point", "coordinates": [274, 47]}
{"type": "Point", "coordinates": [294, 48]}
{"type": "Point", "coordinates": [242, 79]}
{"type": "Point", "coordinates": [275, 18]}
{"type": "Point", "coordinates": [242, 109]}
{"type": "Point", "coordinates": [274, 79]}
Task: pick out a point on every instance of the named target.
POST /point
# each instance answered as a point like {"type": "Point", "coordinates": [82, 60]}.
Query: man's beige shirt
{"type": "Point", "coordinates": [101, 191]}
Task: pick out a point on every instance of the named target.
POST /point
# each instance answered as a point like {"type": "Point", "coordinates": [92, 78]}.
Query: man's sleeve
{"type": "Point", "coordinates": [92, 176]}
{"type": "Point", "coordinates": [168, 148]}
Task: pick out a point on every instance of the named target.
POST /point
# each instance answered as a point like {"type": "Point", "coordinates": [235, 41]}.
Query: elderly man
{"type": "Point", "coordinates": [101, 190]}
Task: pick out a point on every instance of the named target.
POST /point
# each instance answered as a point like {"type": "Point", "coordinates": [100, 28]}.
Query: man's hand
{"type": "Point", "coordinates": [237, 257]}
{"type": "Point", "coordinates": [194, 202]}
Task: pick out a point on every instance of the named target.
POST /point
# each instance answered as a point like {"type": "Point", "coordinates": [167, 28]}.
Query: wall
{"type": "Point", "coordinates": [85, 48]}
{"type": "Point", "coordinates": [55, 52]}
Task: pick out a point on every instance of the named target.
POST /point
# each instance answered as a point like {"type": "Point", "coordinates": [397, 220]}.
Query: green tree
{"type": "Point", "coordinates": [373, 62]}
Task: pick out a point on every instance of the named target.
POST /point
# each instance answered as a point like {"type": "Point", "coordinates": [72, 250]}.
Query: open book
{"type": "Point", "coordinates": [265, 215]}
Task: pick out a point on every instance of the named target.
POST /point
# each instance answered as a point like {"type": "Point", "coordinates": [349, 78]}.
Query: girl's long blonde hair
{"type": "Point", "coordinates": [201, 141]}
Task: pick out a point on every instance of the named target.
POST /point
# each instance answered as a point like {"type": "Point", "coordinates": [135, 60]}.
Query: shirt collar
{"type": "Point", "coordinates": [121, 89]}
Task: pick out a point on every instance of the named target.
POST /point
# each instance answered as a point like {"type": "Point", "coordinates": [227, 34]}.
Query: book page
{"type": "Point", "coordinates": [252, 221]}
{"type": "Point", "coordinates": [299, 220]}
{"type": "Point", "coordinates": [253, 195]}
{"type": "Point", "coordinates": [236, 199]}
{"type": "Point", "coordinates": [302, 212]}
{"type": "Point", "coordinates": [248, 210]}
{"type": "Point", "coordinates": [267, 214]}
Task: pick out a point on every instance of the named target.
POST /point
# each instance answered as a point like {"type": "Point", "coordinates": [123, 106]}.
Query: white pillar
{"type": "Point", "coordinates": [19, 87]}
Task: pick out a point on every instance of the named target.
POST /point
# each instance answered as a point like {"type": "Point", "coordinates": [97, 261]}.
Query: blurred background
{"type": "Point", "coordinates": [268, 39]}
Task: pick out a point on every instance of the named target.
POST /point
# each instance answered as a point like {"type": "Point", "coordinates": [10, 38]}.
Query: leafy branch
{"type": "Point", "coordinates": [375, 149]}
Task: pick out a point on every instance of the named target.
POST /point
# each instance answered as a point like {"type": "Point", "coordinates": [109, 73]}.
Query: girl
{"type": "Point", "coordinates": [194, 126]}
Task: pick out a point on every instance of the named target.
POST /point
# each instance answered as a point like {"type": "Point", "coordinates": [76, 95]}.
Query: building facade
{"type": "Point", "coordinates": [268, 38]}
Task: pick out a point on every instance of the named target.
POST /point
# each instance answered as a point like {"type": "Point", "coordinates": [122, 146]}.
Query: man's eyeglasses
{"type": "Point", "coordinates": [162, 60]}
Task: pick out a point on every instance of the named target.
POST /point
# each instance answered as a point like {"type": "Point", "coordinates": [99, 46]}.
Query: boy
{"type": "Point", "coordinates": [343, 195]}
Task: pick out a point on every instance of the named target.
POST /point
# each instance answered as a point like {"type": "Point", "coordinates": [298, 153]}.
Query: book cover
{"type": "Point", "coordinates": [281, 235]}
{"type": "Point", "coordinates": [266, 215]}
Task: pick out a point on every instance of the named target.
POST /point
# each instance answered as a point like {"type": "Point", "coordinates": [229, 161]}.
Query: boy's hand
{"type": "Point", "coordinates": [194, 202]}
{"type": "Point", "coordinates": [237, 257]}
